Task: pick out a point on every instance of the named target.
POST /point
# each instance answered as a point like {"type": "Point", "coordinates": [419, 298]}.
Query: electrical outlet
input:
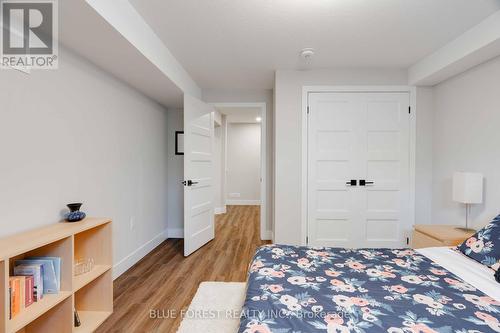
{"type": "Point", "coordinates": [132, 223]}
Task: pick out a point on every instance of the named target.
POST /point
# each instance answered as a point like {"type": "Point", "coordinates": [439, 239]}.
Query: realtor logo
{"type": "Point", "coordinates": [29, 34]}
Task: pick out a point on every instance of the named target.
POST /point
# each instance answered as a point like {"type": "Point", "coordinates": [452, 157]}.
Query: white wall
{"type": "Point", "coordinates": [288, 137]}
{"type": "Point", "coordinates": [467, 138]}
{"type": "Point", "coordinates": [243, 163]}
{"type": "Point", "coordinates": [260, 96]}
{"type": "Point", "coordinates": [175, 175]}
{"type": "Point", "coordinates": [77, 134]}
{"type": "Point", "coordinates": [423, 165]}
{"type": "Point", "coordinates": [219, 165]}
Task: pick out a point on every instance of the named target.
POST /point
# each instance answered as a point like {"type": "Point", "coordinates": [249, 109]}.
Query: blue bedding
{"type": "Point", "coordinates": [326, 290]}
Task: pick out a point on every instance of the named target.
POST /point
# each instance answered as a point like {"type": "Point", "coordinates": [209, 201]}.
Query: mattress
{"type": "Point", "coordinates": [301, 289]}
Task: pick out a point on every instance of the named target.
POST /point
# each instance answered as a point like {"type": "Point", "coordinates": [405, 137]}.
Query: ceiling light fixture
{"type": "Point", "coordinates": [307, 53]}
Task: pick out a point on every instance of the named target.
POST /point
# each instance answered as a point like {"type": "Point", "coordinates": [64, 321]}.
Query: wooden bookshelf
{"type": "Point", "coordinates": [91, 293]}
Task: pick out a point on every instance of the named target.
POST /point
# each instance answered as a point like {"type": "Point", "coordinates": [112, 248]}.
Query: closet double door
{"type": "Point", "coordinates": [358, 169]}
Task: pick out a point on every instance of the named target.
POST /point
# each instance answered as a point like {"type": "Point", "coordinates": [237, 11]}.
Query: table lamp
{"type": "Point", "coordinates": [467, 189]}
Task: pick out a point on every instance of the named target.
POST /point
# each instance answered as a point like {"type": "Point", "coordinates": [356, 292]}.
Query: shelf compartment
{"type": "Point", "coordinates": [35, 310]}
{"type": "Point", "coordinates": [58, 319]}
{"type": "Point", "coordinates": [96, 296]}
{"type": "Point", "coordinates": [82, 280]}
{"type": "Point", "coordinates": [94, 243]}
{"type": "Point", "coordinates": [62, 248]}
{"type": "Point", "coordinates": [91, 320]}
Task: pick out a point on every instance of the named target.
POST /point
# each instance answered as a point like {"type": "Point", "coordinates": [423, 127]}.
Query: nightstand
{"type": "Point", "coordinates": [432, 235]}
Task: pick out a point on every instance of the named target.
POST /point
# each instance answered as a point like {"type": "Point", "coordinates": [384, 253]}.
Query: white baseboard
{"type": "Point", "coordinates": [266, 235]}
{"type": "Point", "coordinates": [175, 233]}
{"type": "Point", "coordinates": [220, 210]}
{"type": "Point", "coordinates": [130, 260]}
{"type": "Point", "coordinates": [243, 202]}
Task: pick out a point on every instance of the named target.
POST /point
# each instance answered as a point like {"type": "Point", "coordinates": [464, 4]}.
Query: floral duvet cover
{"type": "Point", "coordinates": [326, 290]}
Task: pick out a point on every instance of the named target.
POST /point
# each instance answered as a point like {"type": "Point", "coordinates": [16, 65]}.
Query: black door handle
{"type": "Point", "coordinates": [363, 182]}
{"type": "Point", "coordinates": [189, 183]}
{"type": "Point", "coordinates": [352, 182]}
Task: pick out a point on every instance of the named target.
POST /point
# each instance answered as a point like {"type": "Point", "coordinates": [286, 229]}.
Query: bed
{"type": "Point", "coordinates": [307, 290]}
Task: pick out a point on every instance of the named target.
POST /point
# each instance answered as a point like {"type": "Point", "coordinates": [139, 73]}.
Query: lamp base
{"type": "Point", "coordinates": [465, 229]}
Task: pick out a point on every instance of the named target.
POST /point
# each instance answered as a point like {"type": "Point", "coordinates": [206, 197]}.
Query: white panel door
{"type": "Point", "coordinates": [333, 163]}
{"type": "Point", "coordinates": [198, 174]}
{"type": "Point", "coordinates": [361, 137]}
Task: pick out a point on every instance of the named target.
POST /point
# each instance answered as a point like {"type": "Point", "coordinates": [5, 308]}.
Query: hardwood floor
{"type": "Point", "coordinates": [164, 280]}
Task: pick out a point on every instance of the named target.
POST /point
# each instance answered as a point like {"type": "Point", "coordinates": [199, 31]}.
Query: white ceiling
{"type": "Point", "coordinates": [237, 44]}
{"type": "Point", "coordinates": [240, 114]}
{"type": "Point", "coordinates": [84, 31]}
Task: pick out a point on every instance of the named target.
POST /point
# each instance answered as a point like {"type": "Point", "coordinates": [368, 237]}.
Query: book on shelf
{"type": "Point", "coordinates": [50, 281]}
{"type": "Point", "coordinates": [56, 261]}
{"type": "Point", "coordinates": [36, 271]}
{"type": "Point", "coordinates": [22, 292]}
{"type": "Point", "coordinates": [29, 290]}
{"type": "Point", "coordinates": [15, 296]}
{"type": "Point", "coordinates": [10, 301]}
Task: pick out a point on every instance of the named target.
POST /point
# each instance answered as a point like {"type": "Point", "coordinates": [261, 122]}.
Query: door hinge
{"type": "Point", "coordinates": [407, 240]}
{"type": "Point", "coordinates": [307, 240]}
{"type": "Point", "coordinates": [409, 109]}
{"type": "Point", "coordinates": [308, 109]}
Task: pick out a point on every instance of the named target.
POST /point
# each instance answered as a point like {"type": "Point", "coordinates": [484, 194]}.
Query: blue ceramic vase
{"type": "Point", "coordinates": [74, 214]}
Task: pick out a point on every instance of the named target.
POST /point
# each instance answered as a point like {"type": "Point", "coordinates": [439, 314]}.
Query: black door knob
{"type": "Point", "coordinates": [189, 183]}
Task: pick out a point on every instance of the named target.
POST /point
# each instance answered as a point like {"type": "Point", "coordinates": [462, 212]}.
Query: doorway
{"type": "Point", "coordinates": [240, 158]}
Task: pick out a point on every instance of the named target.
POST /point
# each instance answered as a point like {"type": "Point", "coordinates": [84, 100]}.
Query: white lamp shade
{"type": "Point", "coordinates": [468, 187]}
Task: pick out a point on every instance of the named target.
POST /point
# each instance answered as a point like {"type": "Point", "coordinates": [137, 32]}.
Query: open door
{"type": "Point", "coordinates": [198, 174]}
